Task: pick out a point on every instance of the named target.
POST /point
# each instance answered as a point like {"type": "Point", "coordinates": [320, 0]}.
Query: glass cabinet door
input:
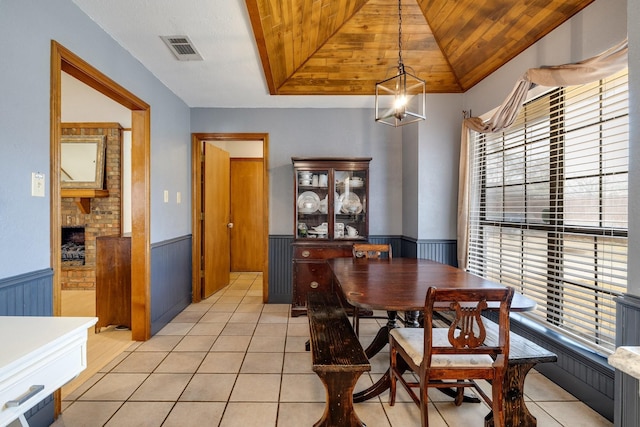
{"type": "Point", "coordinates": [350, 204]}
{"type": "Point", "coordinates": [312, 204]}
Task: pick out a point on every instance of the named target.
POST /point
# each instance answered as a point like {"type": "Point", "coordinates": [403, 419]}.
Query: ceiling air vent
{"type": "Point", "coordinates": [182, 48]}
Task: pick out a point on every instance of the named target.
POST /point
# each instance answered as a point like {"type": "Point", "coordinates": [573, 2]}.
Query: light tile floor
{"type": "Point", "coordinates": [232, 361]}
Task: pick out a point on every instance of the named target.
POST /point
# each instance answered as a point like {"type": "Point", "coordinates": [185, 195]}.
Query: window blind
{"type": "Point", "coordinates": [548, 207]}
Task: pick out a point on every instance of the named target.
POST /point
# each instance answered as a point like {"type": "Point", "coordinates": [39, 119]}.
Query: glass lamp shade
{"type": "Point", "coordinates": [400, 100]}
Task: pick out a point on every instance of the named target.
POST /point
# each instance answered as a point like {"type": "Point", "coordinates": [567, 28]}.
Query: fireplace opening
{"type": "Point", "coordinates": [72, 246]}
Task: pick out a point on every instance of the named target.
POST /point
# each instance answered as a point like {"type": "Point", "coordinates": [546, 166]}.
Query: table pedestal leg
{"type": "Point", "coordinates": [382, 337]}
{"type": "Point", "coordinates": [411, 319]}
{"type": "Point", "coordinates": [379, 387]}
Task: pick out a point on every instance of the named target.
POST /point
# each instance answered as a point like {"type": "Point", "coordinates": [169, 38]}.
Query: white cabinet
{"type": "Point", "coordinates": [39, 355]}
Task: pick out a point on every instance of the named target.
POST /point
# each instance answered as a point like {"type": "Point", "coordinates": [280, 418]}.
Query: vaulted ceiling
{"type": "Point", "coordinates": [339, 47]}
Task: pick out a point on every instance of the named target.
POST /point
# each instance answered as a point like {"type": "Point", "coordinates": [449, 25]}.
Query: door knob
{"type": "Point", "coordinates": [230, 225]}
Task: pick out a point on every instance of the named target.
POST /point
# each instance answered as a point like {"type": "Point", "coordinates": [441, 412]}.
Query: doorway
{"type": "Point", "coordinates": [63, 60]}
{"type": "Point", "coordinates": [248, 171]}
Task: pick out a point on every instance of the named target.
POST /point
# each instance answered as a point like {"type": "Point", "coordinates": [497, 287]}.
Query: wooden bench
{"type": "Point", "coordinates": [338, 358]}
{"type": "Point", "coordinates": [523, 355]}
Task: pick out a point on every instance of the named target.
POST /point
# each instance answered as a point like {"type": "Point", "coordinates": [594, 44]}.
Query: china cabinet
{"type": "Point", "coordinates": [330, 214]}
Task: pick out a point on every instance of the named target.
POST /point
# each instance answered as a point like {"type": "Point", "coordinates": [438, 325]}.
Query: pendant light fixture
{"type": "Point", "coordinates": [400, 100]}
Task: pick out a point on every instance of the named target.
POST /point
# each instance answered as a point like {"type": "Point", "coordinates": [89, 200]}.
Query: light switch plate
{"type": "Point", "coordinates": [37, 184]}
{"type": "Point", "coordinates": [166, 196]}
{"type": "Point", "coordinates": [178, 198]}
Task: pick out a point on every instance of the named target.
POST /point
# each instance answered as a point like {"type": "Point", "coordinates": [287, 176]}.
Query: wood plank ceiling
{"type": "Point", "coordinates": [343, 47]}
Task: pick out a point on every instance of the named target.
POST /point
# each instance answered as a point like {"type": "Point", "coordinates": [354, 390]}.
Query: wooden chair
{"type": "Point", "coordinates": [369, 251]}
{"type": "Point", "coordinates": [456, 356]}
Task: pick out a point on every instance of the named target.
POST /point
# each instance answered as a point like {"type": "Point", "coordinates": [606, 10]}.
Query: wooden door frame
{"type": "Point", "coordinates": [197, 139]}
{"type": "Point", "coordinates": [63, 59]}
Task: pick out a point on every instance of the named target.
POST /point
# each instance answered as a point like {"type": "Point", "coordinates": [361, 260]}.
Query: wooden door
{"type": "Point", "coordinates": [215, 230]}
{"type": "Point", "coordinates": [247, 234]}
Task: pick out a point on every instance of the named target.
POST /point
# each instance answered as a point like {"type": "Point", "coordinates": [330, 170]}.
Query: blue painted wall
{"type": "Point", "coordinates": [171, 280]}
{"type": "Point", "coordinates": [354, 133]}
{"type": "Point", "coordinates": [28, 294]}
{"type": "Point", "coordinates": [25, 122]}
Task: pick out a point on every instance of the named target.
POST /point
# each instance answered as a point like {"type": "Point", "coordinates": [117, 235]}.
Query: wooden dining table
{"type": "Point", "coordinates": [400, 285]}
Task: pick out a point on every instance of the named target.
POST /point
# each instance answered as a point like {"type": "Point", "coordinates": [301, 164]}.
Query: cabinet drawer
{"type": "Point", "coordinates": [51, 371]}
{"type": "Point", "coordinates": [311, 252]}
{"type": "Point", "coordinates": [312, 276]}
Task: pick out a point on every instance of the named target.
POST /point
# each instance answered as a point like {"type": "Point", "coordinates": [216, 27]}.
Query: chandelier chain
{"type": "Point", "coordinates": [400, 65]}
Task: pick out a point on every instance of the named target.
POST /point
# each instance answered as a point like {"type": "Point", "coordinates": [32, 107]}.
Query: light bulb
{"type": "Point", "coordinates": [401, 102]}
{"type": "Point", "coordinates": [400, 107]}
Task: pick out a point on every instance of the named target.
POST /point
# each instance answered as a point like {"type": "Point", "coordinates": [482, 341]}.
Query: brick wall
{"type": "Point", "coordinates": [104, 217]}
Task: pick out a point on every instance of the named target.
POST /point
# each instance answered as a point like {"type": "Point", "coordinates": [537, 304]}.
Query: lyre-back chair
{"type": "Point", "coordinates": [456, 356]}
{"type": "Point", "coordinates": [371, 250]}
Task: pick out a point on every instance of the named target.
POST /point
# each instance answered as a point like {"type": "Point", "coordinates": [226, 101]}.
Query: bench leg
{"type": "Point", "coordinates": [339, 411]}
{"type": "Point", "coordinates": [515, 410]}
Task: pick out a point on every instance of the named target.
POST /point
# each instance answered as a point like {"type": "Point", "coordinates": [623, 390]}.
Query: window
{"type": "Point", "coordinates": [548, 211]}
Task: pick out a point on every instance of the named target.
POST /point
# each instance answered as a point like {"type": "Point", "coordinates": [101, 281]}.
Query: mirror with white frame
{"type": "Point", "coordinates": [82, 161]}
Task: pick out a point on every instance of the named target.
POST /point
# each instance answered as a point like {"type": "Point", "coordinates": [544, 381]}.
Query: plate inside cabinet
{"type": "Point", "coordinates": [308, 202]}
{"type": "Point", "coordinates": [350, 203]}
